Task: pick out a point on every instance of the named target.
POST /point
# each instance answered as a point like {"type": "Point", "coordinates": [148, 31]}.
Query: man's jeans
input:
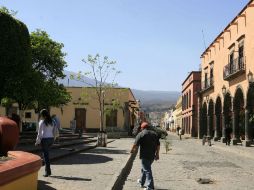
{"type": "Point", "coordinates": [46, 143]}
{"type": "Point", "coordinates": [146, 173]}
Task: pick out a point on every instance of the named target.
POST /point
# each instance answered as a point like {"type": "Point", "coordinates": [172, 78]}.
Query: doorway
{"type": "Point", "coordinates": [80, 115]}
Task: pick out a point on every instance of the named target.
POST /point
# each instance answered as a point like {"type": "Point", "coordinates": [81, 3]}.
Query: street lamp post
{"type": "Point", "coordinates": [224, 91]}
{"type": "Point", "coordinates": [208, 116]}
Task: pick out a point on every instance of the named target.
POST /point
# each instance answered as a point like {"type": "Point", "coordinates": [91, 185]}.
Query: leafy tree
{"type": "Point", "coordinates": [15, 54]}
{"type": "Point", "coordinates": [51, 89]}
{"type": "Point", "coordinates": [104, 73]}
{"type": "Point", "coordinates": [12, 13]}
{"type": "Point", "coordinates": [48, 61]}
{"type": "Point", "coordinates": [47, 55]}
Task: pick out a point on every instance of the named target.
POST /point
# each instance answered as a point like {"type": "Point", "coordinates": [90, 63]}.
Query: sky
{"type": "Point", "coordinates": [155, 43]}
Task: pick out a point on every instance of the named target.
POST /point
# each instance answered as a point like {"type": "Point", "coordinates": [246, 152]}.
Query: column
{"type": "Point", "coordinates": [208, 125]}
{"type": "Point", "coordinates": [234, 139]}
{"type": "Point", "coordinates": [223, 140]}
{"type": "Point", "coordinates": [216, 128]}
{"type": "Point", "coordinates": [126, 117]}
{"type": "Point", "coordinates": [247, 130]}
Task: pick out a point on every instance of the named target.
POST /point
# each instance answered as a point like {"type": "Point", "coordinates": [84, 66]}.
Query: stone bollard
{"type": "Point", "coordinates": [9, 135]}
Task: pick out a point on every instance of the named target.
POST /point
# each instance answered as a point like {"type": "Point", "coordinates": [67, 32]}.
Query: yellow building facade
{"type": "Point", "coordinates": [178, 114]}
{"type": "Point", "coordinates": [84, 109]}
{"type": "Point", "coordinates": [82, 112]}
{"type": "Point", "coordinates": [227, 92]}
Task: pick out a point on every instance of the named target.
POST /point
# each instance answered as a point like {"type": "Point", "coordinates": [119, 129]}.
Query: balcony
{"type": "Point", "coordinates": [207, 84]}
{"type": "Point", "coordinates": [234, 69]}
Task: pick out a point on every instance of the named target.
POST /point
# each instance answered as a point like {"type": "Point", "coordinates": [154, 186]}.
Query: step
{"type": "Point", "coordinates": [32, 148]}
{"type": "Point", "coordinates": [63, 152]}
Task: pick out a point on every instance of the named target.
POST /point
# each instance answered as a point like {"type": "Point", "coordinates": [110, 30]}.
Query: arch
{"type": "Point", "coordinates": [211, 117]}
{"type": "Point", "coordinates": [250, 108]}
{"type": "Point", "coordinates": [227, 110]}
{"type": "Point", "coordinates": [203, 120]}
{"type": "Point", "coordinates": [218, 110]}
{"type": "Point", "coordinates": [239, 111]}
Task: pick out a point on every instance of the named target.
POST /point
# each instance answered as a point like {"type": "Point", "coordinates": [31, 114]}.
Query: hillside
{"type": "Point", "coordinates": [156, 100]}
{"type": "Point", "coordinates": [150, 100]}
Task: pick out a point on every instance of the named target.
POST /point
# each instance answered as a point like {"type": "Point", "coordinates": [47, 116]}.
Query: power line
{"type": "Point", "coordinates": [204, 39]}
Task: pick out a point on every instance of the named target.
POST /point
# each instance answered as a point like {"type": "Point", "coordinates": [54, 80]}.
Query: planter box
{"type": "Point", "coordinates": [20, 172]}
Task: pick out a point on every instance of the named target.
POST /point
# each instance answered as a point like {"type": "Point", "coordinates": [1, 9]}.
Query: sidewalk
{"type": "Point", "coordinates": [89, 170]}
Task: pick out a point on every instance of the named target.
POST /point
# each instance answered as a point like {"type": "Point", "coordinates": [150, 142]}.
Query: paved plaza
{"type": "Point", "coordinates": [227, 167]}
{"type": "Point", "coordinates": [89, 170]}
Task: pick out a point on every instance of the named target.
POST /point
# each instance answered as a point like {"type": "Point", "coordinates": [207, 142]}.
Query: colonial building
{"type": "Point", "coordinates": [227, 94]}
{"type": "Point", "coordinates": [178, 114]}
{"type": "Point", "coordinates": [190, 89]}
{"type": "Point", "coordinates": [83, 111]}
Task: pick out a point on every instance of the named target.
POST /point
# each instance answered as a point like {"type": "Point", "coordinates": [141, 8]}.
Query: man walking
{"type": "Point", "coordinates": [149, 151]}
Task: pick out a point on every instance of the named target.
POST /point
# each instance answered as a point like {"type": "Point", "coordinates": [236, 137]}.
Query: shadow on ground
{"type": "Point", "coordinates": [83, 158]}
{"type": "Point", "coordinates": [71, 178]}
{"type": "Point", "coordinates": [43, 185]}
{"type": "Point", "coordinates": [108, 151]}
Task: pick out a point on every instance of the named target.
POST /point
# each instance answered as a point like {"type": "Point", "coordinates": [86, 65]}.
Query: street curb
{"type": "Point", "coordinates": [120, 177]}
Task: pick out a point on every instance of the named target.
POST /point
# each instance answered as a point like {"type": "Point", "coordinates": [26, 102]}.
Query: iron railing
{"type": "Point", "coordinates": [206, 84]}
{"type": "Point", "coordinates": [237, 66]}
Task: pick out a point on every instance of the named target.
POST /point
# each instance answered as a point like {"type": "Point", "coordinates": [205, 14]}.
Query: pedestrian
{"type": "Point", "coordinates": [228, 132]}
{"type": "Point", "coordinates": [45, 138]}
{"type": "Point", "coordinates": [180, 133]}
{"type": "Point", "coordinates": [177, 129]}
{"type": "Point", "coordinates": [149, 144]}
{"type": "Point", "coordinates": [58, 127]}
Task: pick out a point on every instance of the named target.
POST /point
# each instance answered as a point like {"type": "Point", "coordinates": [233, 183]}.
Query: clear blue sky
{"type": "Point", "coordinates": [155, 42]}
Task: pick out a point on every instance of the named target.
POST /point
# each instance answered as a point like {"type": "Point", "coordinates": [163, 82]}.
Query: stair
{"type": "Point", "coordinates": [68, 144]}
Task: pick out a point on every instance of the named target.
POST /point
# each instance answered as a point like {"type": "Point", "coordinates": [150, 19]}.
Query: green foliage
{"type": "Point", "coordinates": [47, 55]}
{"type": "Point", "coordinates": [15, 55]}
{"type": "Point", "coordinates": [48, 62]}
{"type": "Point", "coordinates": [52, 94]}
{"type": "Point", "coordinates": [6, 102]}
{"type": "Point", "coordinates": [7, 11]}
{"type": "Point", "coordinates": [104, 73]}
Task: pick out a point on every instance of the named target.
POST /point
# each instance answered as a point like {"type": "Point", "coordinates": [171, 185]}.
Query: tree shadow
{"type": "Point", "coordinates": [71, 178]}
{"type": "Point", "coordinates": [43, 185]}
{"type": "Point", "coordinates": [83, 158]}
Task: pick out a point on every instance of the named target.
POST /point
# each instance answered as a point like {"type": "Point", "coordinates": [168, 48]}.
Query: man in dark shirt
{"type": "Point", "coordinates": [149, 143]}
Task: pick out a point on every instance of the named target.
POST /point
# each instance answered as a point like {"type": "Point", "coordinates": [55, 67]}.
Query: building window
{"type": "Point", "coordinates": [231, 63]}
{"type": "Point", "coordinates": [241, 56]}
{"type": "Point", "coordinates": [111, 118]}
{"type": "Point", "coordinates": [189, 98]}
{"type": "Point", "coordinates": [28, 115]}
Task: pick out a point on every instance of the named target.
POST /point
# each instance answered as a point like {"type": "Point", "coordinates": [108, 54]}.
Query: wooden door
{"type": "Point", "coordinates": [80, 115]}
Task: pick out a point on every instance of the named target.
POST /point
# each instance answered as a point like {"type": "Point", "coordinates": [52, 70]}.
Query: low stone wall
{"type": "Point", "coordinates": [20, 172]}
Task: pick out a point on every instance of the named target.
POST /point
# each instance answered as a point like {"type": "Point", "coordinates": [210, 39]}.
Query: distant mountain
{"type": "Point", "coordinates": [74, 82]}
{"type": "Point", "coordinates": [156, 100]}
{"type": "Point", "coordinates": [150, 100]}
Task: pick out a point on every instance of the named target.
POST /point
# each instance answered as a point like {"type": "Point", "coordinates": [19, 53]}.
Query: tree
{"type": "Point", "coordinates": [15, 54]}
{"type": "Point", "coordinates": [48, 61]}
{"type": "Point", "coordinates": [47, 55]}
{"type": "Point", "coordinates": [103, 72]}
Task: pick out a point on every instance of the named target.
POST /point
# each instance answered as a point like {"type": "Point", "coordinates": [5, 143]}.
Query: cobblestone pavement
{"type": "Point", "coordinates": [89, 170]}
{"type": "Point", "coordinates": [229, 167]}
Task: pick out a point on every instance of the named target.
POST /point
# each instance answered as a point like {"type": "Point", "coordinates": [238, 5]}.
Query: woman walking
{"type": "Point", "coordinates": [45, 138]}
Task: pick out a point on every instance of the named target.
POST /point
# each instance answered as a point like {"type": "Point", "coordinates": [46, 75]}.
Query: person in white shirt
{"type": "Point", "coordinates": [45, 138]}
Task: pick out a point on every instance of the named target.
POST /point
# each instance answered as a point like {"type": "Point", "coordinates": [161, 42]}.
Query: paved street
{"type": "Point", "coordinates": [227, 166]}
{"type": "Point", "coordinates": [90, 170]}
